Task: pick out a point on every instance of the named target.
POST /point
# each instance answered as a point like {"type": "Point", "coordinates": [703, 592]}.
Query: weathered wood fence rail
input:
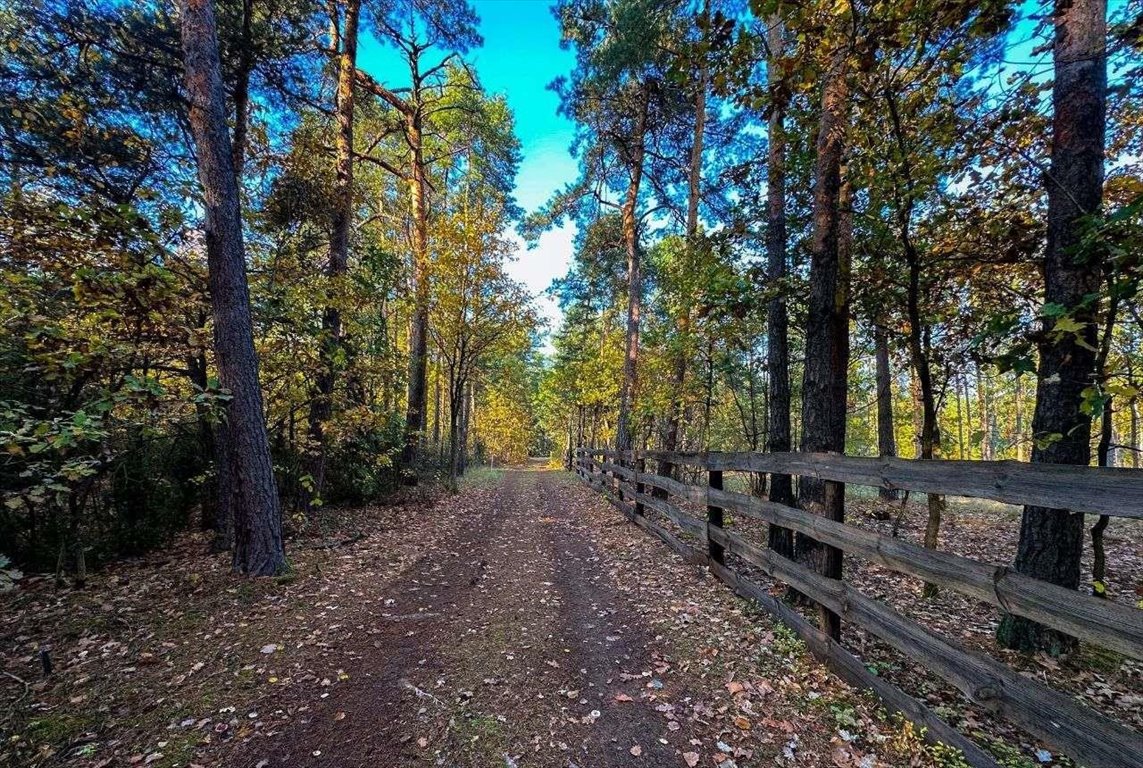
{"type": "Point", "coordinates": [1088, 737]}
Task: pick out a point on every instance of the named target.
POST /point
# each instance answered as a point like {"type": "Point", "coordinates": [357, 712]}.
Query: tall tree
{"type": "Point", "coordinates": [778, 435]}
{"type": "Point", "coordinates": [341, 223]}
{"type": "Point", "coordinates": [700, 77]}
{"type": "Point", "coordinates": [417, 29]}
{"type": "Point", "coordinates": [632, 149]}
{"type": "Point", "coordinates": [827, 323]}
{"type": "Point", "coordinates": [619, 97]}
{"type": "Point", "coordinates": [1051, 541]}
{"type": "Point", "coordinates": [886, 440]}
{"type": "Point", "coordinates": [258, 546]}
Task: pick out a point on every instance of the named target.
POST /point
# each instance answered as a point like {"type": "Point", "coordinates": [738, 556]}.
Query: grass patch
{"type": "Point", "coordinates": [480, 477]}
{"type": "Point", "coordinates": [481, 737]}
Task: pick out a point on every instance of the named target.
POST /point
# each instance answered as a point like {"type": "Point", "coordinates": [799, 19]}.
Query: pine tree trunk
{"type": "Point", "coordinates": [694, 195]}
{"type": "Point", "coordinates": [258, 546]}
{"type": "Point", "coordinates": [321, 405]}
{"type": "Point", "coordinates": [419, 328]}
{"type": "Point", "coordinates": [624, 434]}
{"type": "Point", "coordinates": [1021, 454]}
{"type": "Point", "coordinates": [778, 437]}
{"type": "Point", "coordinates": [242, 88]}
{"type": "Point", "coordinates": [968, 431]}
{"type": "Point", "coordinates": [959, 419]}
{"type": "Point", "coordinates": [437, 405]}
{"type": "Point", "coordinates": [984, 407]}
{"type": "Point", "coordinates": [1134, 433]}
{"type": "Point", "coordinates": [827, 330]}
{"type": "Point", "coordinates": [1051, 541]}
{"type": "Point", "coordinates": [886, 440]}
{"type": "Point", "coordinates": [456, 393]}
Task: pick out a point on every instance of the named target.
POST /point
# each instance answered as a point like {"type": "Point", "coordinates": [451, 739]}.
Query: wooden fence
{"type": "Point", "coordinates": [1082, 733]}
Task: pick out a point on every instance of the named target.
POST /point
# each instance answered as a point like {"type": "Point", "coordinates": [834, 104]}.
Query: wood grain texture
{"type": "Point", "coordinates": [1094, 490]}
{"type": "Point", "coordinates": [1079, 732]}
{"type": "Point", "coordinates": [1114, 626]}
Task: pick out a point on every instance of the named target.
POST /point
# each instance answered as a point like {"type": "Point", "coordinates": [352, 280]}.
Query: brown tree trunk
{"type": "Point", "coordinates": [919, 340]}
{"type": "Point", "coordinates": [624, 434]}
{"type": "Point", "coordinates": [419, 328]}
{"type": "Point", "coordinates": [694, 196]}
{"type": "Point", "coordinates": [984, 407]}
{"type": "Point", "coordinates": [917, 410]}
{"type": "Point", "coordinates": [1051, 541]}
{"type": "Point", "coordinates": [1134, 452]}
{"type": "Point", "coordinates": [437, 405]}
{"type": "Point", "coordinates": [960, 446]}
{"type": "Point", "coordinates": [242, 87]}
{"type": "Point", "coordinates": [1103, 449]}
{"type": "Point", "coordinates": [258, 546]}
{"type": "Point", "coordinates": [455, 400]}
{"type": "Point", "coordinates": [1021, 454]}
{"type": "Point", "coordinates": [321, 405]}
{"type": "Point", "coordinates": [1098, 554]}
{"type": "Point", "coordinates": [468, 414]}
{"type": "Point", "coordinates": [778, 437]}
{"type": "Point", "coordinates": [886, 440]}
{"type": "Point", "coordinates": [827, 329]}
{"type": "Point", "coordinates": [968, 430]}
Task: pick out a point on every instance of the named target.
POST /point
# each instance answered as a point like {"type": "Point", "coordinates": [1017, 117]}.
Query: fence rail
{"type": "Point", "coordinates": [1084, 734]}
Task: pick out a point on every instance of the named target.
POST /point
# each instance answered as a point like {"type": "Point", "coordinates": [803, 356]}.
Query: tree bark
{"type": "Point", "coordinates": [258, 546]}
{"type": "Point", "coordinates": [984, 407]}
{"type": "Point", "coordinates": [419, 328]}
{"type": "Point", "coordinates": [1098, 554]}
{"type": "Point", "coordinates": [1051, 541]}
{"type": "Point", "coordinates": [1021, 453]}
{"type": "Point", "coordinates": [886, 440]}
{"type": "Point", "coordinates": [919, 338]}
{"type": "Point", "coordinates": [321, 404]}
{"type": "Point", "coordinates": [778, 437]}
{"type": "Point", "coordinates": [960, 446]}
{"type": "Point", "coordinates": [636, 149]}
{"type": "Point", "coordinates": [455, 400]}
{"type": "Point", "coordinates": [827, 329]}
{"type": "Point", "coordinates": [242, 88]}
{"type": "Point", "coordinates": [694, 196]}
{"type": "Point", "coordinates": [1134, 452]}
{"type": "Point", "coordinates": [437, 404]}
{"type": "Point", "coordinates": [1103, 449]}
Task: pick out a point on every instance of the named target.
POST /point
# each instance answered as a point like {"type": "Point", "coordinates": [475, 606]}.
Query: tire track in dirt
{"type": "Point", "coordinates": [506, 645]}
{"type": "Point", "coordinates": [362, 721]}
{"type": "Point", "coordinates": [614, 651]}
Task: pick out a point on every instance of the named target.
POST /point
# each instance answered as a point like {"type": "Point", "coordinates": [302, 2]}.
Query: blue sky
{"type": "Point", "coordinates": [520, 57]}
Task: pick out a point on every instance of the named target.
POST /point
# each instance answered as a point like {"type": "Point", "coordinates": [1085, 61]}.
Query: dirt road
{"type": "Point", "coordinates": [543, 629]}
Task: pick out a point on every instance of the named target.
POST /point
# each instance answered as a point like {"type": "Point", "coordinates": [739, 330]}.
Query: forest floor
{"type": "Point", "coordinates": [521, 622]}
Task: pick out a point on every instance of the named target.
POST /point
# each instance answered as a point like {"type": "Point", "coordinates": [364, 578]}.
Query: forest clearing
{"type": "Point", "coordinates": [581, 383]}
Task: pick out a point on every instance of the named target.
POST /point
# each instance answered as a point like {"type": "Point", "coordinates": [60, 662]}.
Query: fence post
{"type": "Point", "coordinates": [714, 517]}
{"type": "Point", "coordinates": [640, 465]}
